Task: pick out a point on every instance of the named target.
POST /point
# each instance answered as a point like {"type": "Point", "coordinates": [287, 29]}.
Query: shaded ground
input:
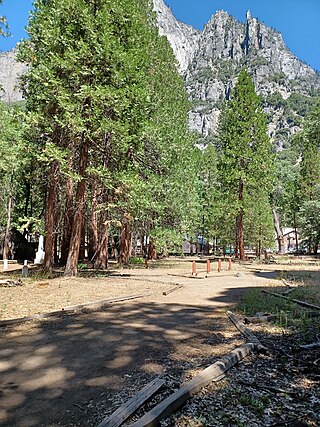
{"type": "Point", "coordinates": [71, 371]}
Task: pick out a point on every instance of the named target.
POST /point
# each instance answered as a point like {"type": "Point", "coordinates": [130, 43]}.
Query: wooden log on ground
{"type": "Point", "coordinates": [33, 317]}
{"type": "Point", "coordinates": [186, 276]}
{"type": "Point", "coordinates": [70, 309]}
{"type": "Point", "coordinates": [174, 288]}
{"type": "Point", "coordinates": [129, 407]}
{"type": "Point", "coordinates": [246, 332]}
{"type": "Point", "coordinates": [302, 303]}
{"type": "Point", "coordinates": [102, 302]}
{"type": "Point", "coordinates": [139, 279]}
{"type": "Point", "coordinates": [212, 373]}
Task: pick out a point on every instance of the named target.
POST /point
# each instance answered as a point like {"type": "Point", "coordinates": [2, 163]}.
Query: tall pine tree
{"type": "Point", "coordinates": [245, 164]}
{"type": "Point", "coordinates": [102, 90]}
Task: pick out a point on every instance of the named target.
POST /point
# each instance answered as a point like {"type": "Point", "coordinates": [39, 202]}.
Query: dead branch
{"type": "Point", "coordinates": [246, 332]}
{"type": "Point", "coordinates": [174, 288]}
{"type": "Point", "coordinates": [302, 303]}
{"type": "Point", "coordinates": [266, 387]}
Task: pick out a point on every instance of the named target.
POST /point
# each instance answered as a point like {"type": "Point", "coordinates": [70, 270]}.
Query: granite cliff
{"type": "Point", "coordinates": [10, 71]}
{"type": "Point", "coordinates": [211, 59]}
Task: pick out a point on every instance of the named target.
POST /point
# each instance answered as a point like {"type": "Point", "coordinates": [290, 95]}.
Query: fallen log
{"type": "Point", "coordinates": [246, 332]}
{"type": "Point", "coordinates": [186, 276]}
{"type": "Point", "coordinates": [33, 317]}
{"type": "Point", "coordinates": [129, 407]}
{"type": "Point", "coordinates": [102, 302]}
{"type": "Point", "coordinates": [174, 288]}
{"type": "Point", "coordinates": [212, 373]}
{"type": "Point", "coordinates": [139, 279]}
{"type": "Point", "coordinates": [302, 303]}
{"type": "Point", "coordinates": [69, 310]}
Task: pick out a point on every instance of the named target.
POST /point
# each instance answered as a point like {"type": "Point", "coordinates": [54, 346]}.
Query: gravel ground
{"type": "Point", "coordinates": [74, 370]}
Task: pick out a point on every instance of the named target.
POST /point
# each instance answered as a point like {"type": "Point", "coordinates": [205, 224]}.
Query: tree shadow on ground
{"type": "Point", "coordinates": [56, 372]}
{"type": "Point", "coordinates": [73, 370]}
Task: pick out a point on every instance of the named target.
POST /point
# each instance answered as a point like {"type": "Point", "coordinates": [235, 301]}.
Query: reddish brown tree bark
{"type": "Point", "coordinates": [125, 243]}
{"type": "Point", "coordinates": [50, 216]}
{"type": "Point", "coordinates": [102, 251]}
{"type": "Point", "coordinates": [152, 253]}
{"type": "Point", "coordinates": [103, 238]}
{"type": "Point", "coordinates": [77, 223]}
{"type": "Point", "coordinates": [93, 223]}
{"type": "Point", "coordinates": [67, 222]}
{"type": "Point", "coordinates": [82, 250]}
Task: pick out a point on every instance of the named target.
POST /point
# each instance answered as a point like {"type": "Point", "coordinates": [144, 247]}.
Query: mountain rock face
{"type": "Point", "coordinates": [210, 61]}
{"type": "Point", "coordinates": [10, 71]}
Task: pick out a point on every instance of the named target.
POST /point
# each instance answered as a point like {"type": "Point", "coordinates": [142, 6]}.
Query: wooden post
{"type": "Point", "coordinates": [230, 264]}
{"type": "Point", "coordinates": [219, 265]}
{"type": "Point", "coordinates": [208, 266]}
{"type": "Point", "coordinates": [194, 268]}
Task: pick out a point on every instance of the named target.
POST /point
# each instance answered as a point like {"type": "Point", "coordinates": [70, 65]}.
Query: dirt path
{"type": "Point", "coordinates": [71, 371]}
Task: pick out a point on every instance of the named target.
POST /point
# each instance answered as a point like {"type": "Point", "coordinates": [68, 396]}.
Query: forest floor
{"type": "Point", "coordinates": [73, 370]}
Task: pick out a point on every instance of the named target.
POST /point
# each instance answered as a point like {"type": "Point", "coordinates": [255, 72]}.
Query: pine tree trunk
{"type": "Point", "coordinates": [295, 231]}
{"type": "Point", "coordinates": [6, 250]}
{"type": "Point", "coordinates": [93, 223]}
{"type": "Point", "coordinates": [125, 243]}
{"type": "Point", "coordinates": [102, 250]}
{"type": "Point", "coordinates": [277, 227]}
{"type": "Point", "coordinates": [82, 254]}
{"type": "Point", "coordinates": [152, 253]}
{"type": "Point", "coordinates": [55, 249]}
{"type": "Point", "coordinates": [50, 217]}
{"type": "Point", "coordinates": [26, 205]}
{"type": "Point", "coordinates": [67, 222]}
{"type": "Point", "coordinates": [240, 237]}
{"type": "Point", "coordinates": [77, 223]}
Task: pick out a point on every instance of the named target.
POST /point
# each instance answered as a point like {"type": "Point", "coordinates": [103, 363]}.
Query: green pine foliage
{"type": "Point", "coordinates": [101, 81]}
{"type": "Point", "coordinates": [308, 182]}
{"type": "Point", "coordinates": [14, 159]}
{"type": "Point", "coordinates": [246, 166]}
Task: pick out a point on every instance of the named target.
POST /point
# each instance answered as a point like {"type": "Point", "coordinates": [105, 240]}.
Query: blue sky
{"type": "Point", "coordinates": [297, 20]}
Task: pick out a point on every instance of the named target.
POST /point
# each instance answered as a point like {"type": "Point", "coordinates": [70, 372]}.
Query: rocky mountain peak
{"type": "Point", "coordinates": [211, 59]}
{"type": "Point", "coordinates": [183, 38]}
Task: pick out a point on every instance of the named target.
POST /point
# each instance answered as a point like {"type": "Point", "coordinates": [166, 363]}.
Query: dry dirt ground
{"type": "Point", "coordinates": [73, 370]}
